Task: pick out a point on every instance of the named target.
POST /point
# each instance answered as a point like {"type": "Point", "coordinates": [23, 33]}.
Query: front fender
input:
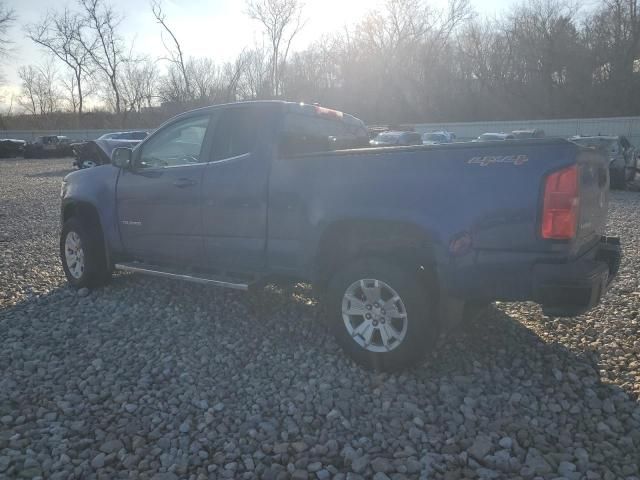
{"type": "Point", "coordinates": [95, 187]}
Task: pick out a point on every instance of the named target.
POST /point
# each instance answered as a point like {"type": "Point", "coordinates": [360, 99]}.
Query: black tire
{"type": "Point", "coordinates": [416, 298]}
{"type": "Point", "coordinates": [618, 179]}
{"type": "Point", "coordinates": [84, 164]}
{"type": "Point", "coordinates": [95, 272]}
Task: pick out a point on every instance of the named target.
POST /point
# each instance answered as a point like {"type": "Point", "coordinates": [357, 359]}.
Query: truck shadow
{"type": "Point", "coordinates": [494, 378]}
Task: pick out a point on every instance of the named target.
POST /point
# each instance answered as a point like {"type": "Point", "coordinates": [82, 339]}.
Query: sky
{"type": "Point", "coordinates": [212, 28]}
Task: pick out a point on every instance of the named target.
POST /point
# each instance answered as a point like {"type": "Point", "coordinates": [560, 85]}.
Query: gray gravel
{"type": "Point", "coordinates": [149, 378]}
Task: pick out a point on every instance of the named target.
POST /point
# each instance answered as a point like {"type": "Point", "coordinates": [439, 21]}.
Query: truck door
{"type": "Point", "coordinates": [159, 198]}
{"type": "Point", "coordinates": [234, 190]}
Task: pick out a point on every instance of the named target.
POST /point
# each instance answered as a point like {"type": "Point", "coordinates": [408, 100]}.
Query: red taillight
{"type": "Point", "coordinates": [561, 201]}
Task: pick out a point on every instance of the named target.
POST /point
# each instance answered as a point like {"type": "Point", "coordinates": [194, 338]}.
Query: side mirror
{"type": "Point", "coordinates": [121, 157]}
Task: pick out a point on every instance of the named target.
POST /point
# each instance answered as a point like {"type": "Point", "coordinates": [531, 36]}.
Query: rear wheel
{"type": "Point", "coordinates": [82, 254]}
{"type": "Point", "coordinates": [381, 314]}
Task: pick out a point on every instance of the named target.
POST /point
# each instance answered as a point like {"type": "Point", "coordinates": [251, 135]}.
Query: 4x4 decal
{"type": "Point", "coordinates": [511, 159]}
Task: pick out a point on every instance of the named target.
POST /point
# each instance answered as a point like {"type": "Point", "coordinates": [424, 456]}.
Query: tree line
{"type": "Point", "coordinates": [404, 62]}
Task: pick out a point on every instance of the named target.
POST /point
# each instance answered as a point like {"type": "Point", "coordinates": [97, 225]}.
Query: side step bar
{"type": "Point", "coordinates": [155, 271]}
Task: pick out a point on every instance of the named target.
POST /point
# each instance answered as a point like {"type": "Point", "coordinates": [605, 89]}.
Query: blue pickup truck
{"type": "Point", "coordinates": [400, 242]}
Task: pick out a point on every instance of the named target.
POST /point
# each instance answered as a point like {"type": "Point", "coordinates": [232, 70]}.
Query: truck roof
{"type": "Point", "coordinates": [298, 107]}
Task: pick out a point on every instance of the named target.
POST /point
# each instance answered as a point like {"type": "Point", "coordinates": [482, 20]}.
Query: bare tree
{"type": "Point", "coordinates": [612, 32]}
{"type": "Point", "coordinates": [171, 86]}
{"type": "Point", "coordinates": [59, 33]}
{"type": "Point", "coordinates": [282, 21]}
{"type": "Point", "coordinates": [138, 84]}
{"type": "Point", "coordinates": [254, 81]}
{"type": "Point", "coordinates": [39, 93]}
{"type": "Point", "coordinates": [7, 19]}
{"type": "Point", "coordinates": [71, 89]}
{"type": "Point", "coordinates": [396, 52]}
{"type": "Point", "coordinates": [232, 74]}
{"type": "Point", "coordinates": [30, 89]}
{"type": "Point", "coordinates": [176, 57]}
{"type": "Point", "coordinates": [408, 61]}
{"type": "Point", "coordinates": [103, 44]}
{"type": "Point", "coordinates": [205, 76]}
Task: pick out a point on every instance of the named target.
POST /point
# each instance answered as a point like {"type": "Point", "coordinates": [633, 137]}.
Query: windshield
{"type": "Point", "coordinates": [434, 137]}
{"type": "Point", "coordinates": [610, 144]}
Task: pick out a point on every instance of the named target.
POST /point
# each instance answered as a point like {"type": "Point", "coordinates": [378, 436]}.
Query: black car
{"type": "Point", "coordinates": [92, 153]}
{"type": "Point", "coordinates": [623, 157]}
{"type": "Point", "coordinates": [11, 147]}
{"type": "Point", "coordinates": [98, 152]}
{"type": "Point", "coordinates": [48, 146]}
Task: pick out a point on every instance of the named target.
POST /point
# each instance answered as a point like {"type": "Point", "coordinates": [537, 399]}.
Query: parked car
{"type": "Point", "coordinates": [48, 146]}
{"type": "Point", "coordinates": [98, 152]}
{"type": "Point", "coordinates": [11, 147]}
{"type": "Point", "coordinates": [375, 130]}
{"type": "Point", "coordinates": [528, 133]}
{"type": "Point", "coordinates": [437, 138]}
{"type": "Point", "coordinates": [399, 243]}
{"type": "Point", "coordinates": [395, 138]}
{"type": "Point", "coordinates": [495, 137]}
{"type": "Point", "coordinates": [623, 157]}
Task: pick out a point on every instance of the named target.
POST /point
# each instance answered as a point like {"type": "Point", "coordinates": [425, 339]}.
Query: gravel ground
{"type": "Point", "coordinates": [149, 378]}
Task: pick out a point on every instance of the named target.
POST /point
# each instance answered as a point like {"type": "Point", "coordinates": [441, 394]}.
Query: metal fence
{"type": "Point", "coordinates": [628, 126]}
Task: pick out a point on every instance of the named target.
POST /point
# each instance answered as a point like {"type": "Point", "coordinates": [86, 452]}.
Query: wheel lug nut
{"type": "Point", "coordinates": [368, 307]}
{"type": "Point", "coordinates": [368, 316]}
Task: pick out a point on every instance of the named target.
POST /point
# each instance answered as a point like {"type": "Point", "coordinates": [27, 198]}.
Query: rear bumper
{"type": "Point", "coordinates": [568, 289]}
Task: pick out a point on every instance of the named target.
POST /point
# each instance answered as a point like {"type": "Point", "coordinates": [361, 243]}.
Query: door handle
{"type": "Point", "coordinates": [184, 182]}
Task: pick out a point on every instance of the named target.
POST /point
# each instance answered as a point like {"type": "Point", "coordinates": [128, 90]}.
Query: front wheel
{"type": "Point", "coordinates": [382, 315]}
{"type": "Point", "coordinates": [82, 254]}
{"type": "Point", "coordinates": [87, 164]}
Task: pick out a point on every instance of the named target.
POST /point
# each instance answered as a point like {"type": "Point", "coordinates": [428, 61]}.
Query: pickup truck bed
{"type": "Point", "coordinates": [397, 240]}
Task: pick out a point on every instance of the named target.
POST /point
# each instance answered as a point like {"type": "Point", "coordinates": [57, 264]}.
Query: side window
{"type": "Point", "coordinates": [177, 144]}
{"type": "Point", "coordinates": [303, 134]}
{"type": "Point", "coordinates": [236, 132]}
